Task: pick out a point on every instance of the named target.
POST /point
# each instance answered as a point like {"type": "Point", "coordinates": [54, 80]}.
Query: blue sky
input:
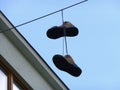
{"type": "Point", "coordinates": [95, 50]}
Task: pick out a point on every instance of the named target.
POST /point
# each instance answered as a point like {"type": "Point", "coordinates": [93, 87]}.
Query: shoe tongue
{"type": "Point", "coordinates": [69, 59]}
{"type": "Point", "coordinates": [67, 24]}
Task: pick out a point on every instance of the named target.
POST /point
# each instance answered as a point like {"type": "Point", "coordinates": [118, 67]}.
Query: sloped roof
{"type": "Point", "coordinates": [30, 53]}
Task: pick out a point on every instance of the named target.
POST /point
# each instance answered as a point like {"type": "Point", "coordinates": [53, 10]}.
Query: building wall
{"type": "Point", "coordinates": [21, 65]}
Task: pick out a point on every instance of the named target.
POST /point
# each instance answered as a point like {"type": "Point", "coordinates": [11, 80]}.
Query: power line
{"type": "Point", "coordinates": [43, 16]}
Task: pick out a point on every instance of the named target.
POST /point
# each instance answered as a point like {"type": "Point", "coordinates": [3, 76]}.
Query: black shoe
{"type": "Point", "coordinates": [58, 31]}
{"type": "Point", "coordinates": [63, 64]}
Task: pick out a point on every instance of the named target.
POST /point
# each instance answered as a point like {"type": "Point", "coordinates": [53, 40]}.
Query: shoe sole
{"type": "Point", "coordinates": [57, 32]}
{"type": "Point", "coordinates": [61, 63]}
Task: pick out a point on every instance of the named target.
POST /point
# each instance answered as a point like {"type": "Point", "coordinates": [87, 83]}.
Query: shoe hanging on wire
{"type": "Point", "coordinates": [67, 64]}
{"type": "Point", "coordinates": [64, 63]}
{"type": "Point", "coordinates": [58, 31]}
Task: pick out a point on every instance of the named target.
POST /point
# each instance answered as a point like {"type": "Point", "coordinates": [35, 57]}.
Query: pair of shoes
{"type": "Point", "coordinates": [66, 29]}
{"type": "Point", "coordinates": [66, 63]}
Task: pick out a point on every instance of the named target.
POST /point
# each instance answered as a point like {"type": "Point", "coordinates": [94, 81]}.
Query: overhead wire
{"type": "Point", "coordinates": [42, 17]}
